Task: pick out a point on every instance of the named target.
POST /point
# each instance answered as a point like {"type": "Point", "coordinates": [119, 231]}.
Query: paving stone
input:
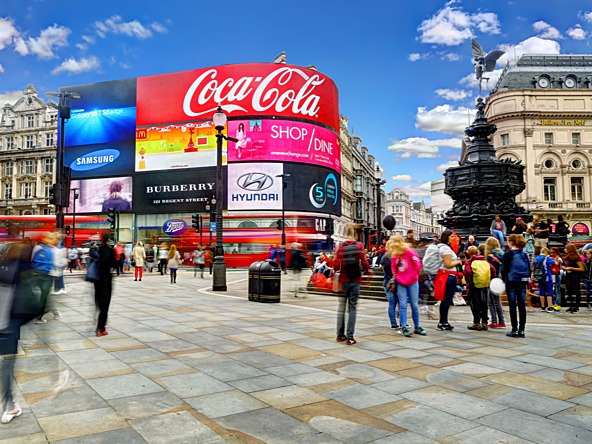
{"type": "Point", "coordinates": [532, 402]}
{"type": "Point", "coordinates": [68, 401]}
{"type": "Point", "coordinates": [72, 425]}
{"type": "Point", "coordinates": [123, 386]}
{"type": "Point", "coordinates": [291, 370]}
{"type": "Point", "coordinates": [535, 428]}
{"type": "Point", "coordinates": [187, 429]}
{"type": "Point", "coordinates": [400, 385]}
{"type": "Point", "coordinates": [289, 396]}
{"type": "Point", "coordinates": [315, 378]}
{"type": "Point", "coordinates": [227, 403]}
{"type": "Point", "coordinates": [537, 385]}
{"type": "Point", "coordinates": [483, 435]}
{"type": "Point", "coordinates": [141, 406]}
{"type": "Point", "coordinates": [430, 422]}
{"type": "Point", "coordinates": [259, 383]}
{"type": "Point", "coordinates": [97, 369]}
{"type": "Point", "coordinates": [193, 384]}
{"type": "Point", "coordinates": [560, 364]}
{"type": "Point", "coordinates": [347, 431]}
{"type": "Point", "coordinates": [127, 436]}
{"type": "Point", "coordinates": [138, 355]}
{"type": "Point", "coordinates": [361, 396]}
{"type": "Point", "coordinates": [174, 345]}
{"type": "Point", "coordinates": [405, 438]}
{"type": "Point", "coordinates": [162, 368]}
{"type": "Point", "coordinates": [578, 416]}
{"type": "Point", "coordinates": [455, 381]}
{"type": "Point", "coordinates": [260, 359]}
{"type": "Point", "coordinates": [77, 356]}
{"type": "Point", "coordinates": [22, 426]}
{"type": "Point", "coordinates": [231, 371]}
{"type": "Point", "coordinates": [364, 372]}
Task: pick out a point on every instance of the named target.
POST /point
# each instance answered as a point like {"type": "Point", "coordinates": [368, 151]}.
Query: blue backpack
{"type": "Point", "coordinates": [519, 268]}
{"type": "Point", "coordinates": [43, 260]}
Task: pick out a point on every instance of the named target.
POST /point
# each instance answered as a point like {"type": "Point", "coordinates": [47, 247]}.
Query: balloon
{"type": "Point", "coordinates": [319, 280]}
{"type": "Point", "coordinates": [497, 286]}
{"type": "Point", "coordinates": [389, 222]}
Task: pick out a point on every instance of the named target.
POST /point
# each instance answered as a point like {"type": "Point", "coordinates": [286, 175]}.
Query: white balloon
{"type": "Point", "coordinates": [497, 286]}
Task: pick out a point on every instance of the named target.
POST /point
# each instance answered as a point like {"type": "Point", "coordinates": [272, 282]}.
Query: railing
{"type": "Point", "coordinates": [556, 205]}
{"type": "Point", "coordinates": [583, 205]}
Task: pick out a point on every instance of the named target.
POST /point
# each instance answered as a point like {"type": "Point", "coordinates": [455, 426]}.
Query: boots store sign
{"type": "Point", "coordinates": [254, 89]}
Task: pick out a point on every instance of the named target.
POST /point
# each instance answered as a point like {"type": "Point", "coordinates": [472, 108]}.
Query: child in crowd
{"type": "Point", "coordinates": [544, 278]}
{"type": "Point", "coordinates": [516, 275]}
{"type": "Point", "coordinates": [478, 273]}
{"type": "Point", "coordinates": [556, 272]}
{"type": "Point", "coordinates": [494, 255]}
{"type": "Point", "coordinates": [529, 249]}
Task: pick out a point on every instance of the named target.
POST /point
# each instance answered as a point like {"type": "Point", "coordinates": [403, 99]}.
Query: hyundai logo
{"type": "Point", "coordinates": [254, 181]}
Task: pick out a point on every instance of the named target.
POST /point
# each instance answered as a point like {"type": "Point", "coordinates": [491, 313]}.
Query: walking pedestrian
{"type": "Point", "coordinates": [350, 259]}
{"type": "Point", "coordinates": [42, 273]}
{"type": "Point", "coordinates": [574, 272]}
{"type": "Point", "coordinates": [299, 262]}
{"type": "Point", "coordinates": [281, 255]}
{"type": "Point", "coordinates": [199, 260]}
{"type": "Point", "coordinates": [105, 260]}
{"type": "Point", "coordinates": [588, 276]}
{"type": "Point", "coordinates": [516, 275]}
{"type": "Point", "coordinates": [174, 261]}
{"type": "Point", "coordinates": [61, 262]}
{"type": "Point", "coordinates": [393, 300]}
{"type": "Point", "coordinates": [138, 256]}
{"type": "Point", "coordinates": [494, 255]}
{"type": "Point", "coordinates": [543, 277]}
{"type": "Point", "coordinates": [406, 266]}
{"type": "Point", "coordinates": [163, 258]}
{"type": "Point", "coordinates": [448, 267]}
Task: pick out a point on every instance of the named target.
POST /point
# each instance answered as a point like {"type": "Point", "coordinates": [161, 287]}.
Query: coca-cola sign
{"type": "Point", "coordinates": [254, 89]}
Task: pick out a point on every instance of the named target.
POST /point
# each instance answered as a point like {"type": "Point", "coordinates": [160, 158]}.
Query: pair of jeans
{"type": "Point", "coordinates": [573, 289]}
{"type": "Point", "coordinates": [447, 301]}
{"type": "Point", "coordinates": [352, 293]}
{"type": "Point", "coordinates": [173, 275]}
{"type": "Point", "coordinates": [393, 300]}
{"type": "Point", "coordinates": [495, 307]}
{"type": "Point", "coordinates": [517, 297]}
{"type": "Point", "coordinates": [557, 299]}
{"type": "Point", "coordinates": [411, 293]}
{"type": "Point", "coordinates": [499, 235]}
{"type": "Point", "coordinates": [103, 290]}
{"type": "Point", "coordinates": [7, 370]}
{"type": "Point", "coordinates": [588, 285]}
{"type": "Point", "coordinates": [479, 304]}
{"type": "Point", "coordinates": [59, 283]}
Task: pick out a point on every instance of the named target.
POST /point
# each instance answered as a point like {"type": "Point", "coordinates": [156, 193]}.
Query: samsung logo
{"type": "Point", "coordinates": [96, 159]}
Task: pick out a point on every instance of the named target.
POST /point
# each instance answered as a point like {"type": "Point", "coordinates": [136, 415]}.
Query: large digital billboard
{"type": "Point", "coordinates": [283, 141]}
{"type": "Point", "coordinates": [97, 195]}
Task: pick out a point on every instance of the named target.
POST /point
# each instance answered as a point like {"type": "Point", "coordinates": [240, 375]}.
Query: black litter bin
{"type": "Point", "coordinates": [265, 281]}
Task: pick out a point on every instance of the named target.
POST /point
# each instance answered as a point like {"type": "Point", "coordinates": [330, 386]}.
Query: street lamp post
{"type": "Point", "coordinates": [284, 186]}
{"type": "Point", "coordinates": [219, 278]}
{"type": "Point", "coordinates": [64, 114]}
{"type": "Point", "coordinates": [76, 196]}
{"type": "Point", "coordinates": [379, 183]}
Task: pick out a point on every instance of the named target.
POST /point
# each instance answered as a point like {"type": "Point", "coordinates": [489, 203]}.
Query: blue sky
{"type": "Point", "coordinates": [403, 68]}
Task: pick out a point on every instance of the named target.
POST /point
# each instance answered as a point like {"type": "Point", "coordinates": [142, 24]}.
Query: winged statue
{"type": "Point", "coordinates": [483, 62]}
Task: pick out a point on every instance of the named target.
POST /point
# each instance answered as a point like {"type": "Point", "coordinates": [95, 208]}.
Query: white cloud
{"type": "Point", "coordinates": [577, 33]}
{"type": "Point", "coordinates": [7, 32]}
{"type": "Point", "coordinates": [452, 26]}
{"type": "Point", "coordinates": [532, 45]}
{"type": "Point", "coordinates": [1, 68]}
{"type": "Point", "coordinates": [454, 94]}
{"type": "Point", "coordinates": [546, 30]}
{"type": "Point", "coordinates": [133, 28]}
{"type": "Point", "coordinates": [49, 39]}
{"type": "Point", "coordinates": [74, 66]}
{"type": "Point", "coordinates": [423, 190]}
{"type": "Point", "coordinates": [444, 119]}
{"type": "Point", "coordinates": [10, 97]}
{"type": "Point", "coordinates": [445, 166]}
{"type": "Point", "coordinates": [414, 57]}
{"type": "Point", "coordinates": [586, 16]}
{"type": "Point", "coordinates": [20, 46]}
{"type": "Point", "coordinates": [88, 39]}
{"type": "Point", "coordinates": [422, 147]}
{"type": "Point", "coordinates": [451, 57]}
{"type": "Point", "coordinates": [402, 178]}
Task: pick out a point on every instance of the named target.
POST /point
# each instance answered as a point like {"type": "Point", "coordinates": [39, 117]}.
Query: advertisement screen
{"type": "Point", "coordinates": [105, 159]}
{"type": "Point", "coordinates": [314, 189]}
{"type": "Point", "coordinates": [175, 146]}
{"type": "Point", "coordinates": [255, 186]}
{"type": "Point", "coordinates": [283, 141]}
{"type": "Point", "coordinates": [252, 89]}
{"type": "Point", "coordinates": [96, 195]}
{"type": "Point", "coordinates": [174, 191]}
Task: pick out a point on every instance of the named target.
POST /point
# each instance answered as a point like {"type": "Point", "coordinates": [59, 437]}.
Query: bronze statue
{"type": "Point", "coordinates": [483, 63]}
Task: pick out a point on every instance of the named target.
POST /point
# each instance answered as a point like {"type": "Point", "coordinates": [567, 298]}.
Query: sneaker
{"type": "Point", "coordinates": [57, 315]}
{"type": "Point", "coordinates": [589, 307]}
{"type": "Point", "coordinates": [341, 338]}
{"type": "Point", "coordinates": [406, 332]}
{"type": "Point", "coordinates": [500, 325]}
{"type": "Point", "coordinates": [512, 334]}
{"type": "Point", "coordinates": [441, 327]}
{"type": "Point", "coordinates": [8, 416]}
{"type": "Point", "coordinates": [493, 325]}
{"type": "Point", "coordinates": [104, 333]}
{"type": "Point", "coordinates": [474, 327]}
{"type": "Point", "coordinates": [557, 307]}
{"type": "Point", "coordinates": [550, 309]}
{"type": "Point", "coordinates": [395, 327]}
{"type": "Point", "coordinates": [40, 321]}
{"type": "Point", "coordinates": [445, 327]}
{"type": "Point", "coordinates": [351, 341]}
{"type": "Point", "coordinates": [484, 327]}
{"type": "Point", "coordinates": [543, 310]}
{"type": "Point", "coordinates": [420, 331]}
{"type": "Point", "coordinates": [521, 334]}
{"type": "Point", "coordinates": [575, 310]}
{"type": "Point", "coordinates": [569, 310]}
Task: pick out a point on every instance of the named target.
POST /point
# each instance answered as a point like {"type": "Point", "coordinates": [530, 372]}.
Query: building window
{"type": "Point", "coordinates": [46, 188]}
{"type": "Point", "coordinates": [30, 140]}
{"type": "Point", "coordinates": [27, 167]}
{"type": "Point", "coordinates": [8, 169]}
{"type": "Point", "coordinates": [27, 190]}
{"type": "Point", "coordinates": [549, 164]}
{"type": "Point", "coordinates": [7, 191]}
{"type": "Point", "coordinates": [49, 139]}
{"type": "Point", "coordinates": [550, 189]}
{"type": "Point", "coordinates": [577, 188]}
{"type": "Point", "coordinates": [9, 142]}
{"type": "Point", "coordinates": [576, 164]}
{"type": "Point", "coordinates": [30, 121]}
{"type": "Point", "coordinates": [505, 139]}
{"type": "Point", "coordinates": [548, 138]}
{"type": "Point", "coordinates": [46, 211]}
{"type": "Point", "coordinates": [575, 138]}
{"type": "Point", "coordinates": [358, 184]}
{"type": "Point", "coordinates": [48, 166]}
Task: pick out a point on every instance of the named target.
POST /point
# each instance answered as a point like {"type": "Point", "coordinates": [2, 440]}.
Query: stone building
{"type": "Point", "coordinates": [28, 140]}
{"type": "Point", "coordinates": [542, 107]}
{"type": "Point", "coordinates": [410, 215]}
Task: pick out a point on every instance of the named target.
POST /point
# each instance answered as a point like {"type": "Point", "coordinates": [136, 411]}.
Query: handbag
{"type": "Point", "coordinates": [133, 262]}
{"type": "Point", "coordinates": [391, 285]}
{"type": "Point", "coordinates": [92, 272]}
{"type": "Point", "coordinates": [440, 282]}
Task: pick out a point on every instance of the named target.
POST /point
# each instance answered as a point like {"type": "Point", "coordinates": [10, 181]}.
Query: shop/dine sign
{"type": "Point", "coordinates": [174, 227]}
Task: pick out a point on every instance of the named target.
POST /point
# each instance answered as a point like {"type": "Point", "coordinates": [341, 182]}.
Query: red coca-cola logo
{"type": "Point", "coordinates": [251, 89]}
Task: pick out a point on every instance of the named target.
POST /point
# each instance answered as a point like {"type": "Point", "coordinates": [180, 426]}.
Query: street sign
{"type": "Point", "coordinates": [212, 226]}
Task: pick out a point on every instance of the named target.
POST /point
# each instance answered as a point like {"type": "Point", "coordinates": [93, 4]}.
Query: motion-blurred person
{"type": "Point", "coordinates": [42, 274]}
{"type": "Point", "coordinates": [350, 259]}
{"type": "Point", "coordinates": [173, 263]}
{"type": "Point", "coordinates": [139, 256]}
{"type": "Point", "coordinates": [149, 252]}
{"type": "Point", "coordinates": [73, 257]}
{"type": "Point", "coordinates": [105, 260]}
{"type": "Point", "coordinates": [299, 262]}
{"type": "Point", "coordinates": [199, 260]}
{"type": "Point", "coordinates": [61, 262]}
{"type": "Point", "coordinates": [163, 258]}
{"type": "Point", "coordinates": [281, 257]}
{"type": "Point", "coordinates": [119, 257]}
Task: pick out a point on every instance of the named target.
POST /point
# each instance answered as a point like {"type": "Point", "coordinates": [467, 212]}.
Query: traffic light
{"type": "Point", "coordinates": [329, 227]}
{"type": "Point", "coordinates": [195, 222]}
{"type": "Point", "coordinates": [67, 229]}
{"type": "Point", "coordinates": [278, 224]}
{"type": "Point", "coordinates": [111, 217]}
{"type": "Point", "coordinates": [54, 194]}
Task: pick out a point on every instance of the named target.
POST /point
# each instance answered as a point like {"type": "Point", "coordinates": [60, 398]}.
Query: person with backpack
{"type": "Point", "coordinates": [494, 255]}
{"type": "Point", "coordinates": [478, 274]}
{"type": "Point", "coordinates": [406, 267]}
{"type": "Point", "coordinates": [446, 274]}
{"type": "Point", "coordinates": [542, 276]}
{"type": "Point", "coordinates": [562, 229]}
{"type": "Point", "coordinates": [574, 272]}
{"type": "Point", "coordinates": [385, 263]}
{"type": "Point", "coordinates": [105, 260]}
{"type": "Point", "coordinates": [350, 259]}
{"type": "Point", "coordinates": [516, 275]}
